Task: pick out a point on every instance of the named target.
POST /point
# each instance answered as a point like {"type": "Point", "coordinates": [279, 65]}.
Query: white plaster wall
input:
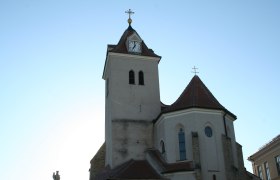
{"type": "Point", "coordinates": [134, 101]}
{"type": "Point", "coordinates": [129, 102]}
{"type": "Point", "coordinates": [108, 133]}
{"type": "Point", "coordinates": [195, 120]}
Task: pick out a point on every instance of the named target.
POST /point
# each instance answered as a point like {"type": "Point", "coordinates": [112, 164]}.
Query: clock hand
{"type": "Point", "coordinates": [134, 45]}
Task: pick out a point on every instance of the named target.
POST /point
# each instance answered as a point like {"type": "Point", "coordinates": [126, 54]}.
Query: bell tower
{"type": "Point", "coordinates": [132, 97]}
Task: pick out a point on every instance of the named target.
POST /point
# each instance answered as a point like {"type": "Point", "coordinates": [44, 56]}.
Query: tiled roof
{"type": "Point", "coordinates": [121, 46]}
{"type": "Point", "coordinates": [277, 138]}
{"type": "Point", "coordinates": [97, 163]}
{"type": "Point", "coordinates": [163, 106]}
{"type": "Point", "coordinates": [171, 167]}
{"type": "Point", "coordinates": [132, 169]}
{"type": "Point", "coordinates": [141, 169]}
{"type": "Point", "coordinates": [196, 94]}
{"type": "Point", "coordinates": [274, 142]}
{"type": "Point", "coordinates": [252, 176]}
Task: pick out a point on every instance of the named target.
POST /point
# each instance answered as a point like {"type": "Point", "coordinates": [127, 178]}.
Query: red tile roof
{"type": "Point", "coordinates": [141, 169]}
{"type": "Point", "coordinates": [170, 167]}
{"type": "Point", "coordinates": [196, 94]}
{"type": "Point", "coordinates": [132, 169]}
{"type": "Point", "coordinates": [121, 46]}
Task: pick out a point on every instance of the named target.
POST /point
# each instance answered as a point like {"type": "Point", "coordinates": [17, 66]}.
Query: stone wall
{"type": "Point", "coordinates": [241, 168]}
{"type": "Point", "coordinates": [130, 140]}
{"type": "Point", "coordinates": [196, 155]}
{"type": "Point", "coordinates": [230, 170]}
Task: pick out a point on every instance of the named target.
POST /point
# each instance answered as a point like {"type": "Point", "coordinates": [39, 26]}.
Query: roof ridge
{"type": "Point", "coordinates": [193, 91]}
{"type": "Point", "coordinates": [270, 142]}
{"type": "Point", "coordinates": [181, 95]}
{"type": "Point", "coordinates": [196, 94]}
{"type": "Point", "coordinates": [210, 93]}
{"type": "Point", "coordinates": [122, 168]}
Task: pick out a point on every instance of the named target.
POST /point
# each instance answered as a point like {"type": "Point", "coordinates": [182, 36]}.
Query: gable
{"type": "Point", "coordinates": [131, 33]}
{"type": "Point", "coordinates": [134, 37]}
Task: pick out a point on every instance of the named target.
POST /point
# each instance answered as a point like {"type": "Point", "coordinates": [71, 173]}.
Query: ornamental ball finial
{"type": "Point", "coordinates": [129, 21]}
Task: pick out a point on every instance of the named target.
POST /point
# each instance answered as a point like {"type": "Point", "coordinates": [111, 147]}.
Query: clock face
{"type": "Point", "coordinates": [134, 46]}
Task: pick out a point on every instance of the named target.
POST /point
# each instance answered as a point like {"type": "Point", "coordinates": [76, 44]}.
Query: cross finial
{"type": "Point", "coordinates": [194, 70]}
{"type": "Point", "coordinates": [129, 12]}
{"type": "Point", "coordinates": [56, 176]}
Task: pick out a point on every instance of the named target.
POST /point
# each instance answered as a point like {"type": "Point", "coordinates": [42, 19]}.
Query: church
{"type": "Point", "coordinates": [191, 139]}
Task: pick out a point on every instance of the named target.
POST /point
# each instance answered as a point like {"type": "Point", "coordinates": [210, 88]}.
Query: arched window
{"type": "Point", "coordinates": [141, 78]}
{"type": "Point", "coordinates": [208, 131]}
{"type": "Point", "coordinates": [182, 145]}
{"type": "Point", "coordinates": [162, 148]}
{"type": "Point", "coordinates": [131, 77]}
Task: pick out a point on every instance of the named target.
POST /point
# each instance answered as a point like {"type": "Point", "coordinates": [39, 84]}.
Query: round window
{"type": "Point", "coordinates": [208, 131]}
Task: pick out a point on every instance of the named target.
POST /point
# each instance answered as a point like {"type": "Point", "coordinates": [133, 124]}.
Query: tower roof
{"type": "Point", "coordinates": [121, 46]}
{"type": "Point", "coordinates": [196, 94]}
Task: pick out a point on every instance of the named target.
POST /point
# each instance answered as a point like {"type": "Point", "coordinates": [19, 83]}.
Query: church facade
{"type": "Point", "coordinates": [192, 139]}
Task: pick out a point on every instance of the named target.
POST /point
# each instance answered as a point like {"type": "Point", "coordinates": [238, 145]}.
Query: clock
{"type": "Point", "coordinates": [134, 46]}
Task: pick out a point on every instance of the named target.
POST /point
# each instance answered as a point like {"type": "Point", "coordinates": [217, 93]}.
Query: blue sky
{"type": "Point", "coordinates": [52, 55]}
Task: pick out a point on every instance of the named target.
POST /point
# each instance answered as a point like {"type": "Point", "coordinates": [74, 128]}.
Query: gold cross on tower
{"type": "Point", "coordinates": [194, 70]}
{"type": "Point", "coordinates": [129, 12]}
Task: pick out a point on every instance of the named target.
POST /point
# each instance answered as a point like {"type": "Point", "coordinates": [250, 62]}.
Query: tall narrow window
{"type": "Point", "coordinates": [208, 131]}
{"type": "Point", "coordinates": [162, 148]}
{"type": "Point", "coordinates": [260, 172]}
{"type": "Point", "coordinates": [214, 177]}
{"type": "Point", "coordinates": [107, 87]}
{"type": "Point", "coordinates": [182, 145]}
{"type": "Point", "coordinates": [141, 78]}
{"type": "Point", "coordinates": [267, 173]}
{"type": "Point", "coordinates": [277, 160]}
{"type": "Point", "coordinates": [131, 77]}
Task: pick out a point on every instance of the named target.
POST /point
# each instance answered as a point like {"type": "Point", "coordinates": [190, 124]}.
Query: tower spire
{"type": "Point", "coordinates": [129, 12]}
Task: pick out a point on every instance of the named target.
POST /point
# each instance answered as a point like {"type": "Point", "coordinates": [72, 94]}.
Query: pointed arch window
{"type": "Point", "coordinates": [182, 145]}
{"type": "Point", "coordinates": [131, 77]}
{"type": "Point", "coordinates": [141, 78]}
{"type": "Point", "coordinates": [208, 131]}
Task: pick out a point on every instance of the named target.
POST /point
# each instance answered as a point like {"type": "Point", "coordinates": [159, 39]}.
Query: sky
{"type": "Point", "coordinates": [52, 54]}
